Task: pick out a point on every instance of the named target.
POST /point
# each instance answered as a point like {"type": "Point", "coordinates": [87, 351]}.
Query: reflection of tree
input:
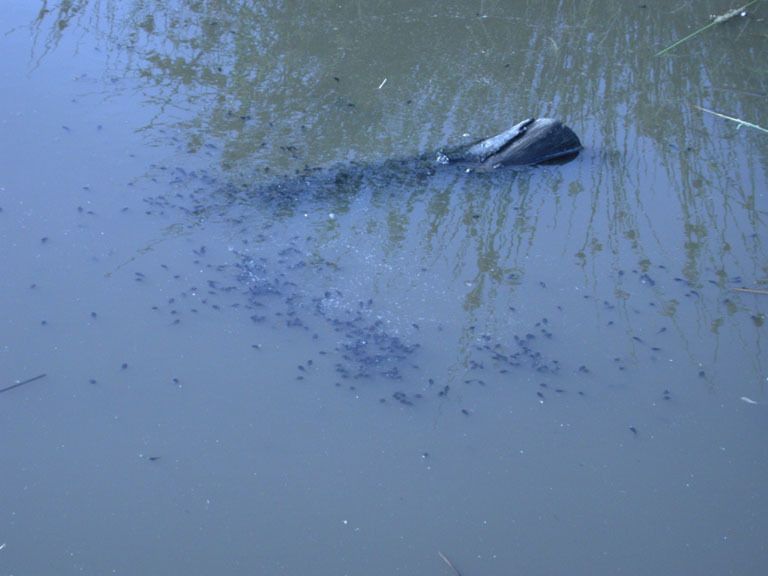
{"type": "Point", "coordinates": [284, 84]}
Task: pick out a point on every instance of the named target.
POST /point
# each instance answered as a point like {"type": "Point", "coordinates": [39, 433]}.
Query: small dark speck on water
{"type": "Point", "coordinates": [633, 430]}
{"type": "Point", "coordinates": [647, 280]}
{"type": "Point", "coordinates": [94, 315]}
{"type": "Point", "coordinates": [44, 240]}
{"type": "Point", "coordinates": [124, 366]}
{"type": "Point", "coordinates": [154, 458]}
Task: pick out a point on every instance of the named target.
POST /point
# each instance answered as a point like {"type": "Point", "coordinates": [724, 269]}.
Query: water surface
{"type": "Point", "coordinates": [269, 350]}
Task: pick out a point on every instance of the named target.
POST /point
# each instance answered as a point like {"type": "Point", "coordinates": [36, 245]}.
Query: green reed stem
{"type": "Point", "coordinates": [718, 20]}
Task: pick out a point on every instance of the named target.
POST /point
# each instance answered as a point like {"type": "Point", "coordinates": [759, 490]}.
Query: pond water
{"type": "Point", "coordinates": [268, 349]}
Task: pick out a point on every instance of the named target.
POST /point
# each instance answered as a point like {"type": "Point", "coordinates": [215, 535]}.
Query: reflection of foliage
{"type": "Point", "coordinates": [284, 84]}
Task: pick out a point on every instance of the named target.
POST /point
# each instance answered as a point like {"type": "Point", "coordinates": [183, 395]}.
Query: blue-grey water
{"type": "Point", "coordinates": [268, 350]}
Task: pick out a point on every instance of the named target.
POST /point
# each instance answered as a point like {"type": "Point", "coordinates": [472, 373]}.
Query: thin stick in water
{"type": "Point", "coordinates": [12, 386]}
{"type": "Point", "coordinates": [751, 290]}
{"type": "Point", "coordinates": [449, 563]}
{"type": "Point", "coordinates": [739, 121]}
{"type": "Point", "coordinates": [718, 20]}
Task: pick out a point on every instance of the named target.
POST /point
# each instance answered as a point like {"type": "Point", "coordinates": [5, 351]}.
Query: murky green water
{"type": "Point", "coordinates": [254, 366]}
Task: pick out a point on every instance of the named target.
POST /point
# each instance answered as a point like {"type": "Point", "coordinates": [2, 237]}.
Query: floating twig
{"type": "Point", "coordinates": [449, 563]}
{"type": "Point", "coordinates": [751, 290]}
{"type": "Point", "coordinates": [739, 121]}
{"type": "Point", "coordinates": [12, 386]}
{"type": "Point", "coordinates": [717, 20]}
{"type": "Point", "coordinates": [738, 91]}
